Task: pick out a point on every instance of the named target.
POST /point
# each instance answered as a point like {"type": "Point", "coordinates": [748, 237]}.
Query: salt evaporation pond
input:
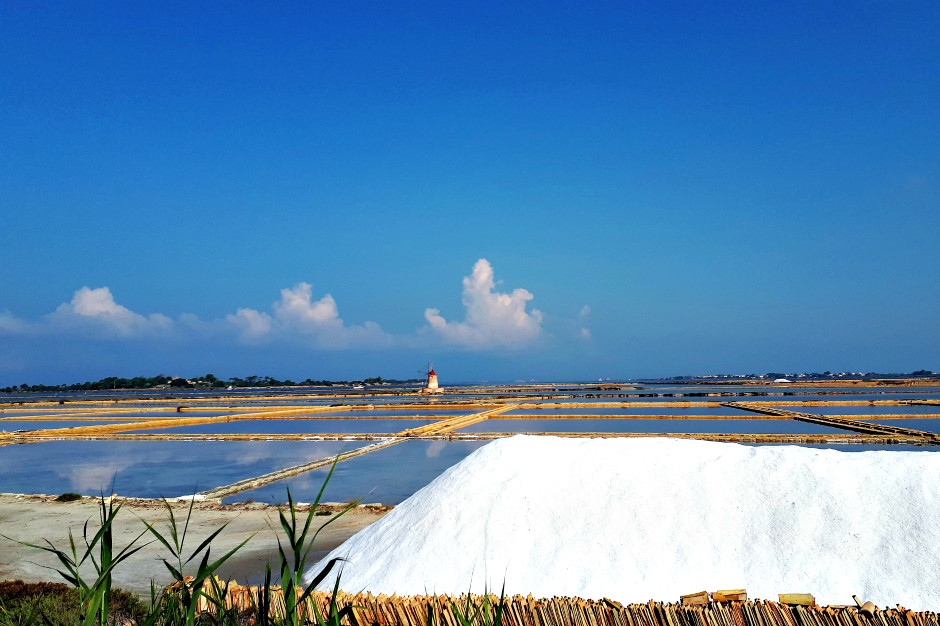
{"type": "Point", "coordinates": [48, 412]}
{"type": "Point", "coordinates": [150, 469]}
{"type": "Point", "coordinates": [856, 397]}
{"type": "Point", "coordinates": [657, 518]}
{"type": "Point", "coordinates": [293, 426]}
{"type": "Point", "coordinates": [167, 414]}
{"type": "Point", "coordinates": [866, 409]}
{"type": "Point", "coordinates": [614, 425]}
{"type": "Point", "coordinates": [402, 413]}
{"type": "Point", "coordinates": [11, 425]}
{"type": "Point", "coordinates": [121, 411]}
{"type": "Point", "coordinates": [386, 476]}
{"type": "Point", "coordinates": [634, 410]}
{"type": "Point", "coordinates": [930, 425]}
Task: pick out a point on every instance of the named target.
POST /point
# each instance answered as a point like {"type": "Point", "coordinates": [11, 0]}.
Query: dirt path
{"type": "Point", "coordinates": [34, 519]}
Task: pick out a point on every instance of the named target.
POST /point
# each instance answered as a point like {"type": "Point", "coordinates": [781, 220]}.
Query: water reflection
{"type": "Point", "coordinates": [860, 448]}
{"type": "Point", "coordinates": [867, 409]}
{"type": "Point", "coordinates": [150, 469]}
{"type": "Point", "coordinates": [294, 426]}
{"type": "Point", "coordinates": [387, 476]}
{"type": "Point", "coordinates": [633, 410]}
{"type": "Point", "coordinates": [11, 425]}
{"type": "Point", "coordinates": [929, 425]}
{"type": "Point", "coordinates": [402, 413]}
{"type": "Point", "coordinates": [613, 425]}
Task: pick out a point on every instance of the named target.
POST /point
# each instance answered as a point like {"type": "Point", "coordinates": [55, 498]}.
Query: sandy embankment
{"type": "Point", "coordinates": [34, 519]}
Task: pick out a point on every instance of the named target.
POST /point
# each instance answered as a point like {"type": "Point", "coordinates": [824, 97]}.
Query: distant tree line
{"type": "Point", "coordinates": [209, 381]}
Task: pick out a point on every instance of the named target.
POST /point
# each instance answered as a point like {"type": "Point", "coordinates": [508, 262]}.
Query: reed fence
{"type": "Point", "coordinates": [383, 610]}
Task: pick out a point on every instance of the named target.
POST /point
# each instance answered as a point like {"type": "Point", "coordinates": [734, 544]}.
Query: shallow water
{"type": "Point", "coordinates": [150, 469]}
{"type": "Point", "coordinates": [633, 410]}
{"type": "Point", "coordinates": [174, 414]}
{"type": "Point", "coordinates": [858, 448]}
{"type": "Point", "coordinates": [613, 425]}
{"type": "Point", "coordinates": [401, 413]}
{"type": "Point", "coordinates": [11, 425]}
{"type": "Point", "coordinates": [387, 476]}
{"type": "Point", "coordinates": [929, 425]}
{"type": "Point", "coordinates": [298, 426]}
{"type": "Point", "coordinates": [866, 409]}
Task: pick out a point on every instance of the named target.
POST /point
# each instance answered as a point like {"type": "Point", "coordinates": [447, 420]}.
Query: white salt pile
{"type": "Point", "coordinates": [640, 519]}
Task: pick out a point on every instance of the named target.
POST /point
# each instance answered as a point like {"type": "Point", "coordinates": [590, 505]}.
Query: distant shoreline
{"type": "Point", "coordinates": [399, 387]}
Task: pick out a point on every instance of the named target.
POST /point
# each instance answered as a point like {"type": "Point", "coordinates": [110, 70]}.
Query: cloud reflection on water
{"type": "Point", "coordinates": [149, 468]}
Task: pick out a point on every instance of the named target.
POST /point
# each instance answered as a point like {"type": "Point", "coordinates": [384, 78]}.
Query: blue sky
{"type": "Point", "coordinates": [541, 190]}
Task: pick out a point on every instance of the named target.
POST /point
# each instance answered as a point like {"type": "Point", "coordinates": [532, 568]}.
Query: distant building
{"type": "Point", "coordinates": [432, 386]}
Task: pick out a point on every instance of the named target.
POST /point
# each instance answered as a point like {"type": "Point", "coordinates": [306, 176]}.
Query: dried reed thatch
{"type": "Point", "coordinates": [370, 610]}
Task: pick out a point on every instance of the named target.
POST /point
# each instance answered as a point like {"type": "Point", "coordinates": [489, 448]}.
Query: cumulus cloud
{"type": "Point", "coordinates": [95, 313]}
{"type": "Point", "coordinates": [296, 313]}
{"type": "Point", "coordinates": [96, 309]}
{"type": "Point", "coordinates": [493, 318]}
{"type": "Point", "coordinates": [252, 325]}
{"type": "Point", "coordinates": [296, 309]}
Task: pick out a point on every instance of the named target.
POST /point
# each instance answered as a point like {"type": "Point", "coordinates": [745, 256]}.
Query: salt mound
{"type": "Point", "coordinates": [639, 519]}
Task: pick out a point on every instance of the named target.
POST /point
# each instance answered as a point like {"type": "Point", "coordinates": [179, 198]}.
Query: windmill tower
{"type": "Point", "coordinates": [431, 387]}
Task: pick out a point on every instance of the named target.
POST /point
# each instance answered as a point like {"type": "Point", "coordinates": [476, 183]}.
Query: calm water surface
{"type": "Point", "coordinates": [150, 469]}
{"type": "Point", "coordinates": [11, 425]}
{"type": "Point", "coordinates": [866, 409]}
{"type": "Point", "coordinates": [387, 476]}
{"type": "Point", "coordinates": [634, 410]}
{"type": "Point", "coordinates": [929, 425]}
{"type": "Point", "coordinates": [613, 425]}
{"type": "Point", "coordinates": [351, 426]}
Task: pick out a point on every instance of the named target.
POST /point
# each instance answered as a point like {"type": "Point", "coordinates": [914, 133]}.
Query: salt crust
{"type": "Point", "coordinates": [654, 518]}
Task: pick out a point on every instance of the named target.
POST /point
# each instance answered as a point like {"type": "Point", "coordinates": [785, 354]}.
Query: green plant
{"type": "Point", "coordinates": [94, 602]}
{"type": "Point", "coordinates": [488, 612]}
{"type": "Point", "coordinates": [26, 604]}
{"type": "Point", "coordinates": [179, 606]}
{"type": "Point", "coordinates": [42, 610]}
{"type": "Point", "coordinates": [57, 604]}
{"type": "Point", "coordinates": [68, 496]}
{"type": "Point", "coordinates": [294, 559]}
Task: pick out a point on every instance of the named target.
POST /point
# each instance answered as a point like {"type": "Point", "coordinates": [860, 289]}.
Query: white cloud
{"type": "Point", "coordinates": [296, 309]}
{"type": "Point", "coordinates": [94, 312]}
{"type": "Point", "coordinates": [318, 322]}
{"type": "Point", "coordinates": [252, 325]}
{"type": "Point", "coordinates": [96, 309]}
{"type": "Point", "coordinates": [493, 318]}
